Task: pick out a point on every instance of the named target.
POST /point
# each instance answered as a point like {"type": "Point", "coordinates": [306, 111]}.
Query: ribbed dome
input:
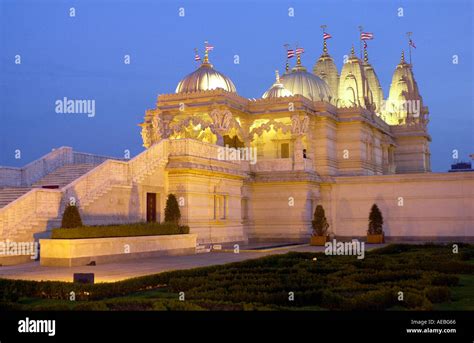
{"type": "Point", "coordinates": [299, 81]}
{"type": "Point", "coordinates": [205, 78]}
{"type": "Point", "coordinates": [277, 90]}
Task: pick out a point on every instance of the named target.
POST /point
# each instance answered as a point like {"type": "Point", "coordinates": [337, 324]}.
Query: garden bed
{"type": "Point", "coordinates": [122, 230]}
{"type": "Point", "coordinates": [431, 277]}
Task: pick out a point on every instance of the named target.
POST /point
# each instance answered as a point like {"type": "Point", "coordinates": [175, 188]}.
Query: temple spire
{"type": "Point", "coordinates": [352, 51]}
{"type": "Point", "coordinates": [402, 59]}
{"type": "Point", "coordinates": [277, 76]}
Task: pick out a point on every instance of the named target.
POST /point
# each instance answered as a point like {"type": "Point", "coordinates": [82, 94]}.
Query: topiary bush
{"type": "Point", "coordinates": [172, 212]}
{"type": "Point", "coordinates": [375, 221]}
{"type": "Point", "coordinates": [320, 223]}
{"type": "Point", "coordinates": [71, 217]}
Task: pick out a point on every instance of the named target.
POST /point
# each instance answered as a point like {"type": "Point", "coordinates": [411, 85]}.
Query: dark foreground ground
{"type": "Point", "coordinates": [396, 277]}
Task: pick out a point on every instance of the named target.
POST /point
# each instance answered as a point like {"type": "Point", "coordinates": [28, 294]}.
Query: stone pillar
{"type": "Point", "coordinates": [298, 160]}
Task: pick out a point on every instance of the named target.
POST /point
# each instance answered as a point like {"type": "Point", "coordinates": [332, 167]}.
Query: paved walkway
{"type": "Point", "coordinates": [111, 272]}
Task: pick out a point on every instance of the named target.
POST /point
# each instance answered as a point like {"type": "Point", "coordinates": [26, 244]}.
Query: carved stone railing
{"type": "Point", "coordinates": [145, 162]}
{"type": "Point", "coordinates": [113, 172]}
{"type": "Point", "coordinates": [10, 177]}
{"type": "Point", "coordinates": [37, 203]}
{"type": "Point", "coordinates": [192, 147]}
{"type": "Point", "coordinates": [274, 164]}
{"type": "Point", "coordinates": [82, 157]}
{"type": "Point", "coordinates": [83, 189]}
{"type": "Point", "coordinates": [34, 171]}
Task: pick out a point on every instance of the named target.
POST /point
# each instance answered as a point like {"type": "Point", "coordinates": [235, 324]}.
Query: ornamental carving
{"type": "Point", "coordinates": [268, 126]}
{"type": "Point", "coordinates": [299, 125]}
{"type": "Point", "coordinates": [222, 119]}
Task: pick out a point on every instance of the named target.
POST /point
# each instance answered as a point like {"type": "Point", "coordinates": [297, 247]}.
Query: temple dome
{"type": "Point", "coordinates": [205, 78]}
{"type": "Point", "coordinates": [299, 81]}
{"type": "Point", "coordinates": [277, 90]}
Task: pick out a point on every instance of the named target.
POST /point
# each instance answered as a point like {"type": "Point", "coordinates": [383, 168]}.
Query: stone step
{"type": "Point", "coordinates": [9, 194]}
{"type": "Point", "coordinates": [65, 175]}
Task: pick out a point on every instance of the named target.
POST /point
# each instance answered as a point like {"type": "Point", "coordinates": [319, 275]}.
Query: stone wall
{"type": "Point", "coordinates": [414, 206]}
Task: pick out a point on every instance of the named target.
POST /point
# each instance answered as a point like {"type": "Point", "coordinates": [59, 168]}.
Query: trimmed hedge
{"type": "Point", "coordinates": [71, 217]}
{"type": "Point", "coordinates": [125, 230]}
{"type": "Point", "coordinates": [331, 282]}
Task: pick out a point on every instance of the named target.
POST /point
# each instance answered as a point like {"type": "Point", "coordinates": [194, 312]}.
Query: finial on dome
{"type": "Point", "coordinates": [402, 59]}
{"type": "Point", "coordinates": [277, 76]}
{"type": "Point", "coordinates": [206, 52]}
{"type": "Point", "coordinates": [325, 36]}
{"type": "Point", "coordinates": [352, 51]}
{"type": "Point", "coordinates": [366, 55]}
{"type": "Point", "coordinates": [299, 51]}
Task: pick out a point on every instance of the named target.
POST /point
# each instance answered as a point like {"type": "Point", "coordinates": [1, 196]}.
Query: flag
{"type": "Point", "coordinates": [410, 43]}
{"type": "Point", "coordinates": [299, 51]}
{"type": "Point", "coordinates": [366, 36]}
{"type": "Point", "coordinates": [290, 53]}
{"type": "Point", "coordinates": [197, 57]}
{"type": "Point", "coordinates": [326, 35]}
{"type": "Point", "coordinates": [209, 47]}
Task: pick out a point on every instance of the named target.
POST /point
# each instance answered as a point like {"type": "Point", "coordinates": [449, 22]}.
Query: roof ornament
{"type": "Point", "coordinates": [326, 36]}
{"type": "Point", "coordinates": [277, 76]}
{"type": "Point", "coordinates": [352, 51]}
{"type": "Point", "coordinates": [289, 54]}
{"type": "Point", "coordinates": [206, 52]}
{"type": "Point", "coordinates": [402, 59]}
{"type": "Point", "coordinates": [366, 55]}
{"type": "Point", "coordinates": [298, 51]}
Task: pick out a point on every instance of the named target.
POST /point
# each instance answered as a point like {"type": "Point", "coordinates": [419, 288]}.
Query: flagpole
{"type": "Point", "coordinates": [287, 65]}
{"type": "Point", "coordinates": [325, 49]}
{"type": "Point", "coordinates": [360, 41]}
{"type": "Point", "coordinates": [409, 45]}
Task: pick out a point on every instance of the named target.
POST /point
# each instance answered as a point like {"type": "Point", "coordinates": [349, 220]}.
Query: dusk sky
{"type": "Point", "coordinates": [82, 57]}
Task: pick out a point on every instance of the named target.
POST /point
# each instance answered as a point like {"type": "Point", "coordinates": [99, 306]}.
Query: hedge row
{"type": "Point", "coordinates": [123, 230]}
{"type": "Point", "coordinates": [330, 282]}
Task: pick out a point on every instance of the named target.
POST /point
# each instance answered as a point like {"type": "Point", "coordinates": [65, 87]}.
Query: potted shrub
{"type": "Point", "coordinates": [172, 212]}
{"type": "Point", "coordinates": [320, 227]}
{"type": "Point", "coordinates": [375, 232]}
{"type": "Point", "coordinates": [71, 217]}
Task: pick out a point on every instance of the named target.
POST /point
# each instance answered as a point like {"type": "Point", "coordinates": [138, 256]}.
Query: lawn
{"type": "Point", "coordinates": [396, 277]}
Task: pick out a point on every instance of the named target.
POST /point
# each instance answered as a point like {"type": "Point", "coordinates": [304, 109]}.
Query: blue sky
{"type": "Point", "coordinates": [82, 58]}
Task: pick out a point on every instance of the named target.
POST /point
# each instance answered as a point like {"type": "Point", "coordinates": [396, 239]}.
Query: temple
{"type": "Point", "coordinates": [322, 137]}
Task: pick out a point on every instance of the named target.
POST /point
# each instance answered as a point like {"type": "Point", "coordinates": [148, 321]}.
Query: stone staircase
{"type": "Point", "coordinates": [9, 194]}
{"type": "Point", "coordinates": [64, 175]}
{"type": "Point", "coordinates": [28, 213]}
